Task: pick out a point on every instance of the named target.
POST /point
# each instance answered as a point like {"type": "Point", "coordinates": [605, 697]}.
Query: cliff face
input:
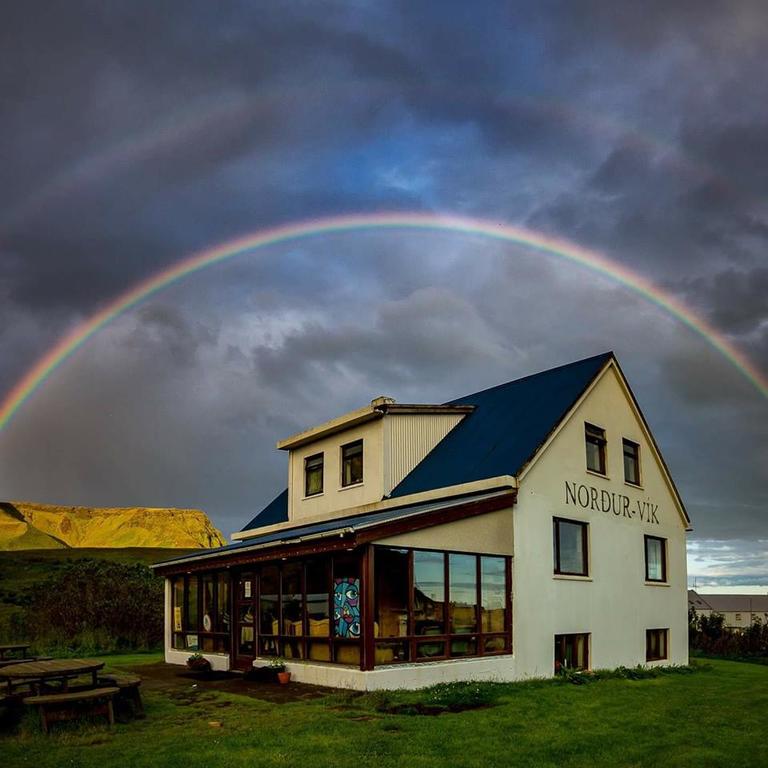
{"type": "Point", "coordinates": [26, 525]}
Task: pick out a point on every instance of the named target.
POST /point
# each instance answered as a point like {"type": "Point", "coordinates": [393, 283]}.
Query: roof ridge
{"type": "Point", "coordinates": [605, 355]}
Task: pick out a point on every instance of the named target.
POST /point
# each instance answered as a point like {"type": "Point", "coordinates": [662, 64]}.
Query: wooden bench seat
{"type": "Point", "coordinates": [129, 691]}
{"type": "Point", "coordinates": [64, 706]}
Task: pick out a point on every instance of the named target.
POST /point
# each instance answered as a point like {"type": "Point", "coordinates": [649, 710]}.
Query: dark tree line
{"type": "Point", "coordinates": [96, 605]}
{"type": "Point", "coordinates": [709, 634]}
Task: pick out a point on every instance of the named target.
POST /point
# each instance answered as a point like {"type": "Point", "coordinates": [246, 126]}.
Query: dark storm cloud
{"type": "Point", "coordinates": [132, 134]}
{"type": "Point", "coordinates": [737, 300]}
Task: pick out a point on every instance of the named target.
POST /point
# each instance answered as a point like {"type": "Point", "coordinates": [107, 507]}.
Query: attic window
{"type": "Point", "coordinates": [631, 462]}
{"type": "Point", "coordinates": [313, 475]}
{"type": "Point", "coordinates": [595, 442]}
{"type": "Point", "coordinates": [352, 463]}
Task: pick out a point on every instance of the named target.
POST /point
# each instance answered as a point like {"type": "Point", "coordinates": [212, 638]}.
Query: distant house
{"type": "Point", "coordinates": [502, 535]}
{"type": "Point", "coordinates": [738, 611]}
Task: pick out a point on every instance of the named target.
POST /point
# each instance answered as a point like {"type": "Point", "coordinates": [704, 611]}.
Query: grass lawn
{"type": "Point", "coordinates": [715, 717]}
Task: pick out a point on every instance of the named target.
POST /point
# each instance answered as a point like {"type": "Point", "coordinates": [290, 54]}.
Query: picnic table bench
{"type": "Point", "coordinates": [38, 672]}
{"type": "Point", "coordinates": [128, 686]}
{"type": "Point", "coordinates": [13, 648]}
{"type": "Point", "coordinates": [8, 662]}
{"type": "Point", "coordinates": [66, 706]}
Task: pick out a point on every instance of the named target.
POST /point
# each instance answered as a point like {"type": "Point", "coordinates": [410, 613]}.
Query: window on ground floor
{"type": "Point", "coordinates": [431, 605]}
{"type": "Point", "coordinates": [427, 605]}
{"type": "Point", "coordinates": [200, 618]}
{"type": "Point", "coordinates": [656, 641]}
{"type": "Point", "coordinates": [571, 651]}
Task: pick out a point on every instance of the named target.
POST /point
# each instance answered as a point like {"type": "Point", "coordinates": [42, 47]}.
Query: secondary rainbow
{"type": "Point", "coordinates": [496, 230]}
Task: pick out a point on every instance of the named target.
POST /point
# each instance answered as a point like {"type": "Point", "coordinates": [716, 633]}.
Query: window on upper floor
{"type": "Point", "coordinates": [655, 559]}
{"type": "Point", "coordinates": [631, 462]}
{"type": "Point", "coordinates": [656, 644]}
{"type": "Point", "coordinates": [313, 475]}
{"type": "Point", "coordinates": [570, 546]}
{"type": "Point", "coordinates": [595, 443]}
{"type": "Point", "coordinates": [352, 463]}
{"type": "Point", "coordinates": [738, 617]}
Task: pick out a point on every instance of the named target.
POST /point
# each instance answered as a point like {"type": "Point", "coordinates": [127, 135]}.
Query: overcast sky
{"type": "Point", "coordinates": [132, 134]}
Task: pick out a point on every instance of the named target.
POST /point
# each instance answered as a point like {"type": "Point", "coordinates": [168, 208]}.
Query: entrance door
{"type": "Point", "coordinates": [244, 642]}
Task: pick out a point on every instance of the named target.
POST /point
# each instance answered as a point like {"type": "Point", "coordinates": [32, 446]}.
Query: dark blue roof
{"type": "Point", "coordinates": [275, 512]}
{"type": "Point", "coordinates": [502, 434]}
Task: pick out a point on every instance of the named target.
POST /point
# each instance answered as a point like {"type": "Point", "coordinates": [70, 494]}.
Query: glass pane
{"type": "Point", "coordinates": [313, 475]}
{"type": "Point", "coordinates": [293, 648]}
{"type": "Point", "coordinates": [178, 604]}
{"type": "Point", "coordinates": [391, 598]}
{"type": "Point", "coordinates": [192, 603]}
{"type": "Point", "coordinates": [222, 603]}
{"type": "Point", "coordinates": [346, 614]}
{"type": "Point", "coordinates": [494, 644]}
{"type": "Point", "coordinates": [246, 614]}
{"type": "Point", "coordinates": [318, 585]}
{"type": "Point", "coordinates": [391, 652]}
{"type": "Point", "coordinates": [268, 646]}
{"type": "Point", "coordinates": [571, 651]}
{"type": "Point", "coordinates": [319, 650]}
{"type": "Point", "coordinates": [580, 651]}
{"type": "Point", "coordinates": [594, 461]}
{"type": "Point", "coordinates": [268, 607]}
{"type": "Point", "coordinates": [462, 574]}
{"type": "Point", "coordinates": [352, 463]}
{"type": "Point", "coordinates": [247, 588]}
{"type": "Point", "coordinates": [631, 463]}
{"type": "Point", "coordinates": [346, 597]}
{"type": "Point", "coordinates": [493, 591]}
{"type": "Point", "coordinates": [428, 593]}
{"type": "Point", "coordinates": [346, 653]}
{"type": "Point", "coordinates": [178, 642]}
{"type": "Point", "coordinates": [572, 554]}
{"type": "Point", "coordinates": [293, 600]}
{"type": "Point", "coordinates": [464, 647]}
{"type": "Point", "coordinates": [208, 605]}
{"type": "Point", "coordinates": [654, 559]}
{"type": "Point", "coordinates": [430, 650]}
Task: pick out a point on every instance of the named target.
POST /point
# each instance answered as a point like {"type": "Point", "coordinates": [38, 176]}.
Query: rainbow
{"type": "Point", "coordinates": [495, 230]}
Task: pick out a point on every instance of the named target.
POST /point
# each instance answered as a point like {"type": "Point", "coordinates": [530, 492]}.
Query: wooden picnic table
{"type": "Point", "coordinates": [57, 669]}
{"type": "Point", "coordinates": [13, 648]}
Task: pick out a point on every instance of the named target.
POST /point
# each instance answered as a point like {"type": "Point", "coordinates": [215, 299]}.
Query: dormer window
{"type": "Point", "coordinates": [313, 475]}
{"type": "Point", "coordinates": [352, 463]}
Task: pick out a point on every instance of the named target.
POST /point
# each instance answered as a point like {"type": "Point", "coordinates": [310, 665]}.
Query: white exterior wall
{"type": "Point", "coordinates": [335, 499]}
{"type": "Point", "coordinates": [614, 604]}
{"type": "Point", "coordinates": [490, 534]}
{"type": "Point", "coordinates": [408, 438]}
{"type": "Point", "coordinates": [403, 676]}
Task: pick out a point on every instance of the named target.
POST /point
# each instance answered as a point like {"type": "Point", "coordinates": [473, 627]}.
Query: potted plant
{"type": "Point", "coordinates": [277, 665]}
{"type": "Point", "coordinates": [198, 663]}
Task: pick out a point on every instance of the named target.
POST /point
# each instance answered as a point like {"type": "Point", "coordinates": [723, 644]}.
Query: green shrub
{"type": "Point", "coordinates": [97, 606]}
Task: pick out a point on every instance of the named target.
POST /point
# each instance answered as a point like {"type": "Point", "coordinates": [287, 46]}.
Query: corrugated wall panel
{"type": "Point", "coordinates": [411, 438]}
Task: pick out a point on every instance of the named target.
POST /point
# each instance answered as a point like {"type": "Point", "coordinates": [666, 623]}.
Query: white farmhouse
{"type": "Point", "coordinates": [497, 537]}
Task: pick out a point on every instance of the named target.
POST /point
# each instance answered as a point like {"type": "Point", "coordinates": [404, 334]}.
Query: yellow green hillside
{"type": "Point", "coordinates": [28, 525]}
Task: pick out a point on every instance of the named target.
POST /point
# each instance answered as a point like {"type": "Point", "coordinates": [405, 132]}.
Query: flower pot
{"type": "Point", "coordinates": [284, 678]}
